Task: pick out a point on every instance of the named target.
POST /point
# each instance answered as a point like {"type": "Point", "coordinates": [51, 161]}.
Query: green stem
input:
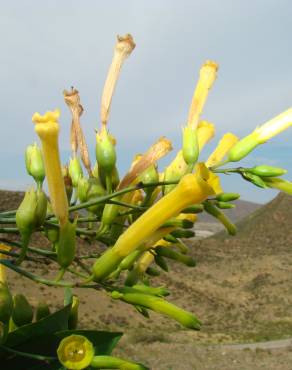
{"type": "Point", "coordinates": [9, 230]}
{"type": "Point", "coordinates": [128, 205]}
{"type": "Point", "coordinates": [7, 220]}
{"type": "Point", "coordinates": [29, 355]}
{"type": "Point", "coordinates": [25, 238]}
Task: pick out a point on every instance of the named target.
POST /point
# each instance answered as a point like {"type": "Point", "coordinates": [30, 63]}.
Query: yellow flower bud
{"type": "Point", "coordinates": [225, 144]}
{"type": "Point", "coordinates": [47, 128]}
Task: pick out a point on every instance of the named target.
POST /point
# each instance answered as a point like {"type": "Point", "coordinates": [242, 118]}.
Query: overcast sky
{"type": "Point", "coordinates": [47, 46]}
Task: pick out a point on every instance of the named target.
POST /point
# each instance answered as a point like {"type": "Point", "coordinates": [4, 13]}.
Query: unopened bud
{"type": "Point", "coordinates": [25, 215]}
{"type": "Point", "coordinates": [73, 316]}
{"type": "Point", "coordinates": [6, 303]}
{"type": "Point", "coordinates": [267, 171]}
{"type": "Point", "coordinates": [227, 197]}
{"type": "Point", "coordinates": [254, 179]}
{"type": "Point", "coordinates": [182, 233]}
{"type": "Point", "coordinates": [195, 208]}
{"type": "Point", "coordinates": [161, 262]}
{"type": "Point", "coordinates": [75, 171]}
{"type": "Point", "coordinates": [224, 205]}
{"type": "Point", "coordinates": [22, 311]}
{"type": "Point", "coordinates": [171, 254]}
{"type": "Point", "coordinates": [34, 163]}
{"type": "Point", "coordinates": [42, 311]}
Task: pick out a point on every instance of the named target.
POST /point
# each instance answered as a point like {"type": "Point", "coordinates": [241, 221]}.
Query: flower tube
{"type": "Point", "coordinates": [47, 128]}
{"type": "Point", "coordinates": [208, 74]}
{"type": "Point", "coordinates": [193, 188]}
{"type": "Point", "coordinates": [260, 135]}
{"type": "Point", "coordinates": [225, 144]}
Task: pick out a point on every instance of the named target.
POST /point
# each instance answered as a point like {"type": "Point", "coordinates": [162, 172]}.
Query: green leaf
{"type": "Point", "coordinates": [55, 322]}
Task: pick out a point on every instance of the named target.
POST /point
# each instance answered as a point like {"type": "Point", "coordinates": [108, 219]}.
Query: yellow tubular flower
{"type": "Point", "coordinates": [225, 144]}
{"type": "Point", "coordinates": [47, 128]}
{"type": "Point", "coordinates": [206, 131]}
{"type": "Point", "coordinates": [274, 126]}
{"type": "Point", "coordinates": [3, 247]}
{"type": "Point", "coordinates": [260, 135]}
{"type": "Point", "coordinates": [192, 189]}
{"type": "Point", "coordinates": [208, 74]}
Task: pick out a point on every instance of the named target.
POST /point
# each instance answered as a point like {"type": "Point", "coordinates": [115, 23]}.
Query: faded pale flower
{"type": "Point", "coordinates": [153, 154]}
{"type": "Point", "coordinates": [124, 46]}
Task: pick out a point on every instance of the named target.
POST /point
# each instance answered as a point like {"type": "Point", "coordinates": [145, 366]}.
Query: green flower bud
{"type": "Point", "coordinates": [220, 216]}
{"type": "Point", "coordinates": [75, 171]}
{"type": "Point", "coordinates": [171, 254]}
{"type": "Point", "coordinates": [22, 311]}
{"type": "Point", "coordinates": [267, 171]}
{"type": "Point", "coordinates": [242, 148]}
{"type": "Point", "coordinates": [182, 233]}
{"type": "Point", "coordinates": [41, 208]}
{"type": "Point", "coordinates": [89, 189]}
{"type": "Point", "coordinates": [227, 197]}
{"type": "Point", "coordinates": [105, 152]}
{"type": "Point", "coordinates": [149, 176]}
{"type": "Point", "coordinates": [190, 148]}
{"type": "Point", "coordinates": [224, 205]}
{"type": "Point", "coordinates": [161, 262]}
{"type": "Point", "coordinates": [158, 291]}
{"type": "Point", "coordinates": [109, 362]}
{"type": "Point", "coordinates": [254, 179]}
{"type": "Point", "coordinates": [6, 303]}
{"type": "Point", "coordinates": [42, 311]}
{"type": "Point", "coordinates": [170, 238]}
{"type": "Point", "coordinates": [25, 215]}
{"type": "Point", "coordinates": [185, 224]}
{"type": "Point", "coordinates": [34, 163]}
{"type": "Point", "coordinates": [67, 244]}
{"type": "Point", "coordinates": [152, 271]}
{"type": "Point", "coordinates": [195, 208]}
{"type": "Point", "coordinates": [160, 305]}
{"type": "Point", "coordinates": [73, 316]}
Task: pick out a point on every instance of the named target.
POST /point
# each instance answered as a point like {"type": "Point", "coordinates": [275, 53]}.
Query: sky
{"type": "Point", "coordinates": [49, 46]}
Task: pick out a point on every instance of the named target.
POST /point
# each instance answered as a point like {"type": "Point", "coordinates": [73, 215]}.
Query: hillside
{"type": "Point", "coordinates": [241, 289]}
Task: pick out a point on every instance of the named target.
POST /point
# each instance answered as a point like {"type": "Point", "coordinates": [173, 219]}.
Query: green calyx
{"type": "Point", "coordinates": [105, 152]}
{"type": "Point", "coordinates": [67, 244]}
{"type": "Point", "coordinates": [34, 163]}
{"type": "Point", "coordinates": [6, 303]}
{"type": "Point", "coordinates": [75, 171]}
{"type": "Point", "coordinates": [242, 148]}
{"type": "Point", "coordinates": [22, 311]}
{"type": "Point", "coordinates": [190, 148]}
